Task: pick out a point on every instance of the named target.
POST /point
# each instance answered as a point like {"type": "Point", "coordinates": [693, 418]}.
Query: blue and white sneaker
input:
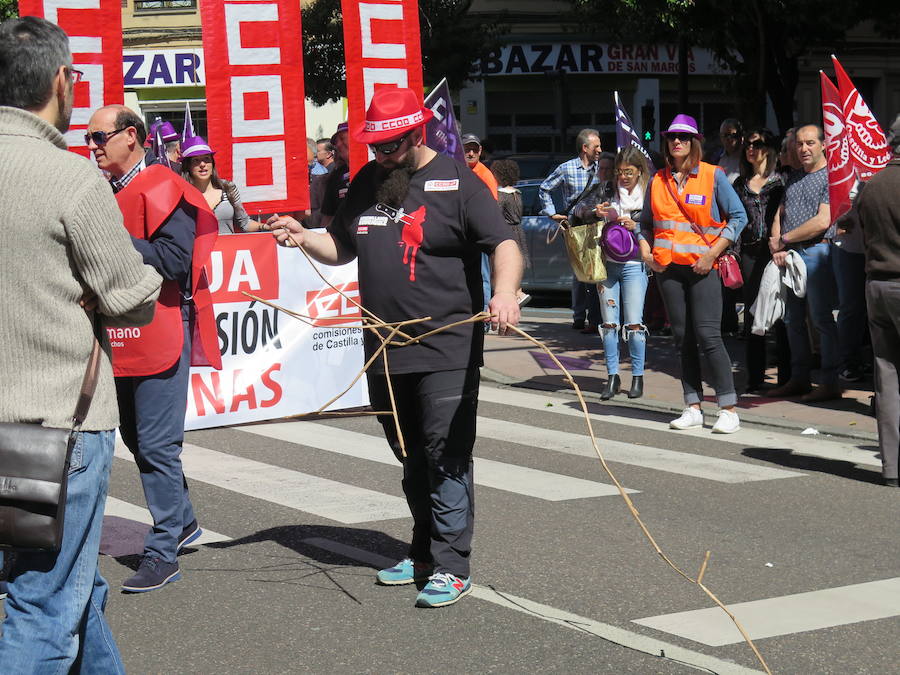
{"type": "Point", "coordinates": [443, 589]}
{"type": "Point", "coordinates": [189, 535]}
{"type": "Point", "coordinates": [404, 572]}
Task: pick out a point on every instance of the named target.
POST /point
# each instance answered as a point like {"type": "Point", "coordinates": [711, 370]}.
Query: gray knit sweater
{"type": "Point", "coordinates": [61, 236]}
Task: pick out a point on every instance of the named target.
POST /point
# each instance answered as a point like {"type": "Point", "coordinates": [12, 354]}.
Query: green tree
{"type": "Point", "coordinates": [451, 38]}
{"type": "Point", "coordinates": [760, 41]}
{"type": "Point", "coordinates": [8, 9]}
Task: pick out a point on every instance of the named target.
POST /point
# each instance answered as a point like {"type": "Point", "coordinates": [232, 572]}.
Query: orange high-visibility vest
{"type": "Point", "coordinates": [674, 240]}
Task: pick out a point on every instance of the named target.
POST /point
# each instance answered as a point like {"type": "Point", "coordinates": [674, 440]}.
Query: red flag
{"type": "Point", "coordinates": [381, 48]}
{"type": "Point", "coordinates": [841, 174]}
{"type": "Point", "coordinates": [869, 150]}
{"type": "Point", "coordinates": [95, 38]}
{"type": "Point", "coordinates": [255, 104]}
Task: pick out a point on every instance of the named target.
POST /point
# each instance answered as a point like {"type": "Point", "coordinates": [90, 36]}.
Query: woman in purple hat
{"type": "Point", "coordinates": [199, 168]}
{"type": "Point", "coordinates": [690, 217]}
{"type": "Point", "coordinates": [623, 291]}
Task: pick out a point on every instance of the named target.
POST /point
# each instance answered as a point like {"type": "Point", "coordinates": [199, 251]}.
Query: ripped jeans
{"type": "Point", "coordinates": [625, 284]}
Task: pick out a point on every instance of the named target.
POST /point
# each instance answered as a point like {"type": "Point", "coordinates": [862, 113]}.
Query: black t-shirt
{"type": "Point", "coordinates": [423, 260]}
{"type": "Point", "coordinates": [336, 183]}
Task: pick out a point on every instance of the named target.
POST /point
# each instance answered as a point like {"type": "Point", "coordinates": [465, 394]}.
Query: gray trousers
{"type": "Point", "coordinates": [883, 300]}
{"type": "Point", "coordinates": [694, 305]}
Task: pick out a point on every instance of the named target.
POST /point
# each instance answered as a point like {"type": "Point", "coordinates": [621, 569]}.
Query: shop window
{"type": "Point", "coordinates": [534, 144]}
{"type": "Point", "coordinates": [500, 120]}
{"type": "Point", "coordinates": [581, 120]}
{"type": "Point", "coordinates": [162, 6]}
{"type": "Point", "coordinates": [501, 142]}
{"type": "Point", "coordinates": [534, 120]}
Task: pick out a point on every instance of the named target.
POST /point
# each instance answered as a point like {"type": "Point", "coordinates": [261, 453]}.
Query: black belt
{"type": "Point", "coordinates": [807, 244]}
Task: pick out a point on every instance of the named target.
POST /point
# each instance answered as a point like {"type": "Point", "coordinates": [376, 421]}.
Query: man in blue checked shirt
{"type": "Point", "coordinates": [571, 178]}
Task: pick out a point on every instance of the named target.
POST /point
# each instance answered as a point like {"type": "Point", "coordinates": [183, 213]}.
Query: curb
{"type": "Point", "coordinates": [497, 377]}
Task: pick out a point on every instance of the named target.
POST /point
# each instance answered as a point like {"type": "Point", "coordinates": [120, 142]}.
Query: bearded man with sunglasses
{"type": "Point", "coordinates": [67, 270]}
{"type": "Point", "coordinates": [418, 223]}
{"type": "Point", "coordinates": [174, 230]}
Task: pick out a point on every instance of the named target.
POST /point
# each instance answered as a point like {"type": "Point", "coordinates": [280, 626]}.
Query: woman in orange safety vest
{"type": "Point", "coordinates": [685, 196]}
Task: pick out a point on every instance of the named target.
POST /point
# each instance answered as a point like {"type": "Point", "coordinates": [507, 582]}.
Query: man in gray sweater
{"type": "Point", "coordinates": [66, 261]}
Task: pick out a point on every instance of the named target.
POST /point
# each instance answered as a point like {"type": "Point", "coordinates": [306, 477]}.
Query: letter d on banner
{"type": "Point", "coordinates": [381, 48]}
{"type": "Point", "coordinates": [94, 28]}
{"type": "Point", "coordinates": [255, 101]}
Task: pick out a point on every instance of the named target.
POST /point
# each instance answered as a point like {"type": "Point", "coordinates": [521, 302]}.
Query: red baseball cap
{"type": "Point", "coordinates": [392, 112]}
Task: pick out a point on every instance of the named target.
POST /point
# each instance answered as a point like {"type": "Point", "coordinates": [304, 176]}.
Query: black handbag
{"type": "Point", "coordinates": [34, 468]}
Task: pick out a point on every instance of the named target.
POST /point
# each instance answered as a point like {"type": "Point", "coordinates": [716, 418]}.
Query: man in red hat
{"type": "Point", "coordinates": [418, 222]}
{"type": "Point", "coordinates": [174, 230]}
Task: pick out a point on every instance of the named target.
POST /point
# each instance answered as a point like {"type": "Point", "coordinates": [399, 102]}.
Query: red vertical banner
{"type": "Point", "coordinates": [841, 173]}
{"type": "Point", "coordinates": [381, 49]}
{"type": "Point", "coordinates": [869, 150]}
{"type": "Point", "coordinates": [94, 28]}
{"type": "Point", "coordinates": [255, 102]}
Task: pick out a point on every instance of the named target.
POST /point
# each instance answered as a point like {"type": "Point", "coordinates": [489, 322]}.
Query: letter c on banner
{"type": "Point", "coordinates": [380, 50]}
{"type": "Point", "coordinates": [267, 89]}
{"type": "Point", "coordinates": [239, 55]}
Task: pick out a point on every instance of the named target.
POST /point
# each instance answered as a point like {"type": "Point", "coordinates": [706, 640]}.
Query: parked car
{"type": "Point", "coordinates": [534, 166]}
{"type": "Point", "coordinates": [550, 269]}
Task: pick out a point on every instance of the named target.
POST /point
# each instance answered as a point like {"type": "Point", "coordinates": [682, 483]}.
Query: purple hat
{"type": "Point", "coordinates": [683, 124]}
{"type": "Point", "coordinates": [195, 146]}
{"type": "Point", "coordinates": [343, 126]}
{"type": "Point", "coordinates": [168, 133]}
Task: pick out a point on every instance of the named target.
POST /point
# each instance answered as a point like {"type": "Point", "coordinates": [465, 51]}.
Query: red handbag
{"type": "Point", "coordinates": [726, 263]}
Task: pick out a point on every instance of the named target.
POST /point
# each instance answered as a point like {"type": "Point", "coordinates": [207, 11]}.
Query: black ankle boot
{"type": "Point", "coordinates": [637, 387]}
{"type": "Point", "coordinates": [612, 388]}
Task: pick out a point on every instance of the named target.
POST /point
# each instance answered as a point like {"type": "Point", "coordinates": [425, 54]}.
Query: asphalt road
{"type": "Point", "coordinates": [562, 571]}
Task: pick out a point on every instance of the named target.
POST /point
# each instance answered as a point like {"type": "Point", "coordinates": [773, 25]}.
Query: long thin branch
{"type": "Point", "coordinates": [390, 388]}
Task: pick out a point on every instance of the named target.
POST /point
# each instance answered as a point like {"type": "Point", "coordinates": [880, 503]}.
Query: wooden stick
{"type": "Point", "coordinates": [478, 317]}
{"type": "Point", "coordinates": [350, 323]}
{"type": "Point", "coordinates": [390, 387]}
{"type": "Point", "coordinates": [703, 570]}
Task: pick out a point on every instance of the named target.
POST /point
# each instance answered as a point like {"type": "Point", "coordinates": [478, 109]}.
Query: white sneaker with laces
{"type": "Point", "coordinates": [727, 423]}
{"type": "Point", "coordinates": [691, 418]}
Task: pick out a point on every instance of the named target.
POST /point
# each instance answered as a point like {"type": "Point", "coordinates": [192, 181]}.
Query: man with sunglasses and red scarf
{"type": "Point", "coordinates": [418, 222]}
{"type": "Point", "coordinates": [174, 230]}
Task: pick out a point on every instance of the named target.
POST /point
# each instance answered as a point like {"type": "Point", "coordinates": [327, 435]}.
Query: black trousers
{"type": "Point", "coordinates": [437, 418]}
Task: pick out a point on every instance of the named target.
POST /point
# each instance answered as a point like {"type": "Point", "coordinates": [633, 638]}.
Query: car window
{"type": "Point", "coordinates": [531, 202]}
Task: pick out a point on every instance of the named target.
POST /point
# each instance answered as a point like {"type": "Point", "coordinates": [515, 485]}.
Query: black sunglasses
{"type": "Point", "coordinates": [679, 137]}
{"type": "Point", "coordinates": [756, 145]}
{"type": "Point", "coordinates": [390, 147]}
{"type": "Point", "coordinates": [100, 138]}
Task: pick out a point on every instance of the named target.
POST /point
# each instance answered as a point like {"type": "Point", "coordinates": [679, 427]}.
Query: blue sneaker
{"type": "Point", "coordinates": [443, 589]}
{"type": "Point", "coordinates": [152, 574]}
{"type": "Point", "coordinates": [189, 535]}
{"type": "Point", "coordinates": [404, 572]}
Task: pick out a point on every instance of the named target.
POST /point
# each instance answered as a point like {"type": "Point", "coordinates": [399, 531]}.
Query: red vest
{"type": "Point", "coordinates": [146, 203]}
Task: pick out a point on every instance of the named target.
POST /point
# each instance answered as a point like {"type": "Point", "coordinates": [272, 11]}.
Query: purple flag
{"type": "Point", "coordinates": [625, 133]}
{"type": "Point", "coordinates": [441, 132]}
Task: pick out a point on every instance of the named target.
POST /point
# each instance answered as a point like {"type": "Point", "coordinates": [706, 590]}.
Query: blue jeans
{"type": "Point", "coordinates": [54, 613]}
{"type": "Point", "coordinates": [152, 410]}
{"type": "Point", "coordinates": [625, 284]}
{"type": "Point", "coordinates": [850, 275]}
{"type": "Point", "coordinates": [821, 296]}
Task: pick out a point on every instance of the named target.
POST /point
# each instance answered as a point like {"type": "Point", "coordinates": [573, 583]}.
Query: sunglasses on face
{"type": "Point", "coordinates": [684, 138]}
{"type": "Point", "coordinates": [754, 145]}
{"type": "Point", "coordinates": [626, 173]}
{"type": "Point", "coordinates": [100, 138]}
{"type": "Point", "coordinates": [390, 147]}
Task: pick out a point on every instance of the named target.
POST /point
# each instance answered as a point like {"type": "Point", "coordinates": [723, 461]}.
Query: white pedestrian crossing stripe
{"type": "Point", "coordinates": [319, 496]}
{"type": "Point", "coordinates": [815, 446]}
{"type": "Point", "coordinates": [488, 473]}
{"type": "Point", "coordinates": [786, 614]}
{"type": "Point", "coordinates": [684, 463]}
{"type": "Point", "coordinates": [123, 509]}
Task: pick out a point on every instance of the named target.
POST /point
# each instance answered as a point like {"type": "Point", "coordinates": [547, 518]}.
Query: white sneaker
{"type": "Point", "coordinates": [727, 423]}
{"type": "Point", "coordinates": [691, 418]}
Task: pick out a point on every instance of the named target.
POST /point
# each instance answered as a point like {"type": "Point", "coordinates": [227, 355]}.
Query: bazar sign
{"type": "Point", "coordinates": [163, 68]}
{"type": "Point", "coordinates": [593, 57]}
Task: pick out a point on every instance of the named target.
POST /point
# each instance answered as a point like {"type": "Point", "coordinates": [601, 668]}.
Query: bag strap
{"type": "Point", "coordinates": [695, 227]}
{"type": "Point", "coordinates": [587, 187]}
{"type": "Point", "coordinates": [89, 383]}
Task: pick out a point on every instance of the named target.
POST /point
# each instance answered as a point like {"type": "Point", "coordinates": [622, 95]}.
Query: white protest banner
{"type": "Point", "coordinates": [274, 365]}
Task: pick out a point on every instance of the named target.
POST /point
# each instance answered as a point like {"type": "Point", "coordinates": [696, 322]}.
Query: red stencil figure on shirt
{"type": "Point", "coordinates": [412, 234]}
